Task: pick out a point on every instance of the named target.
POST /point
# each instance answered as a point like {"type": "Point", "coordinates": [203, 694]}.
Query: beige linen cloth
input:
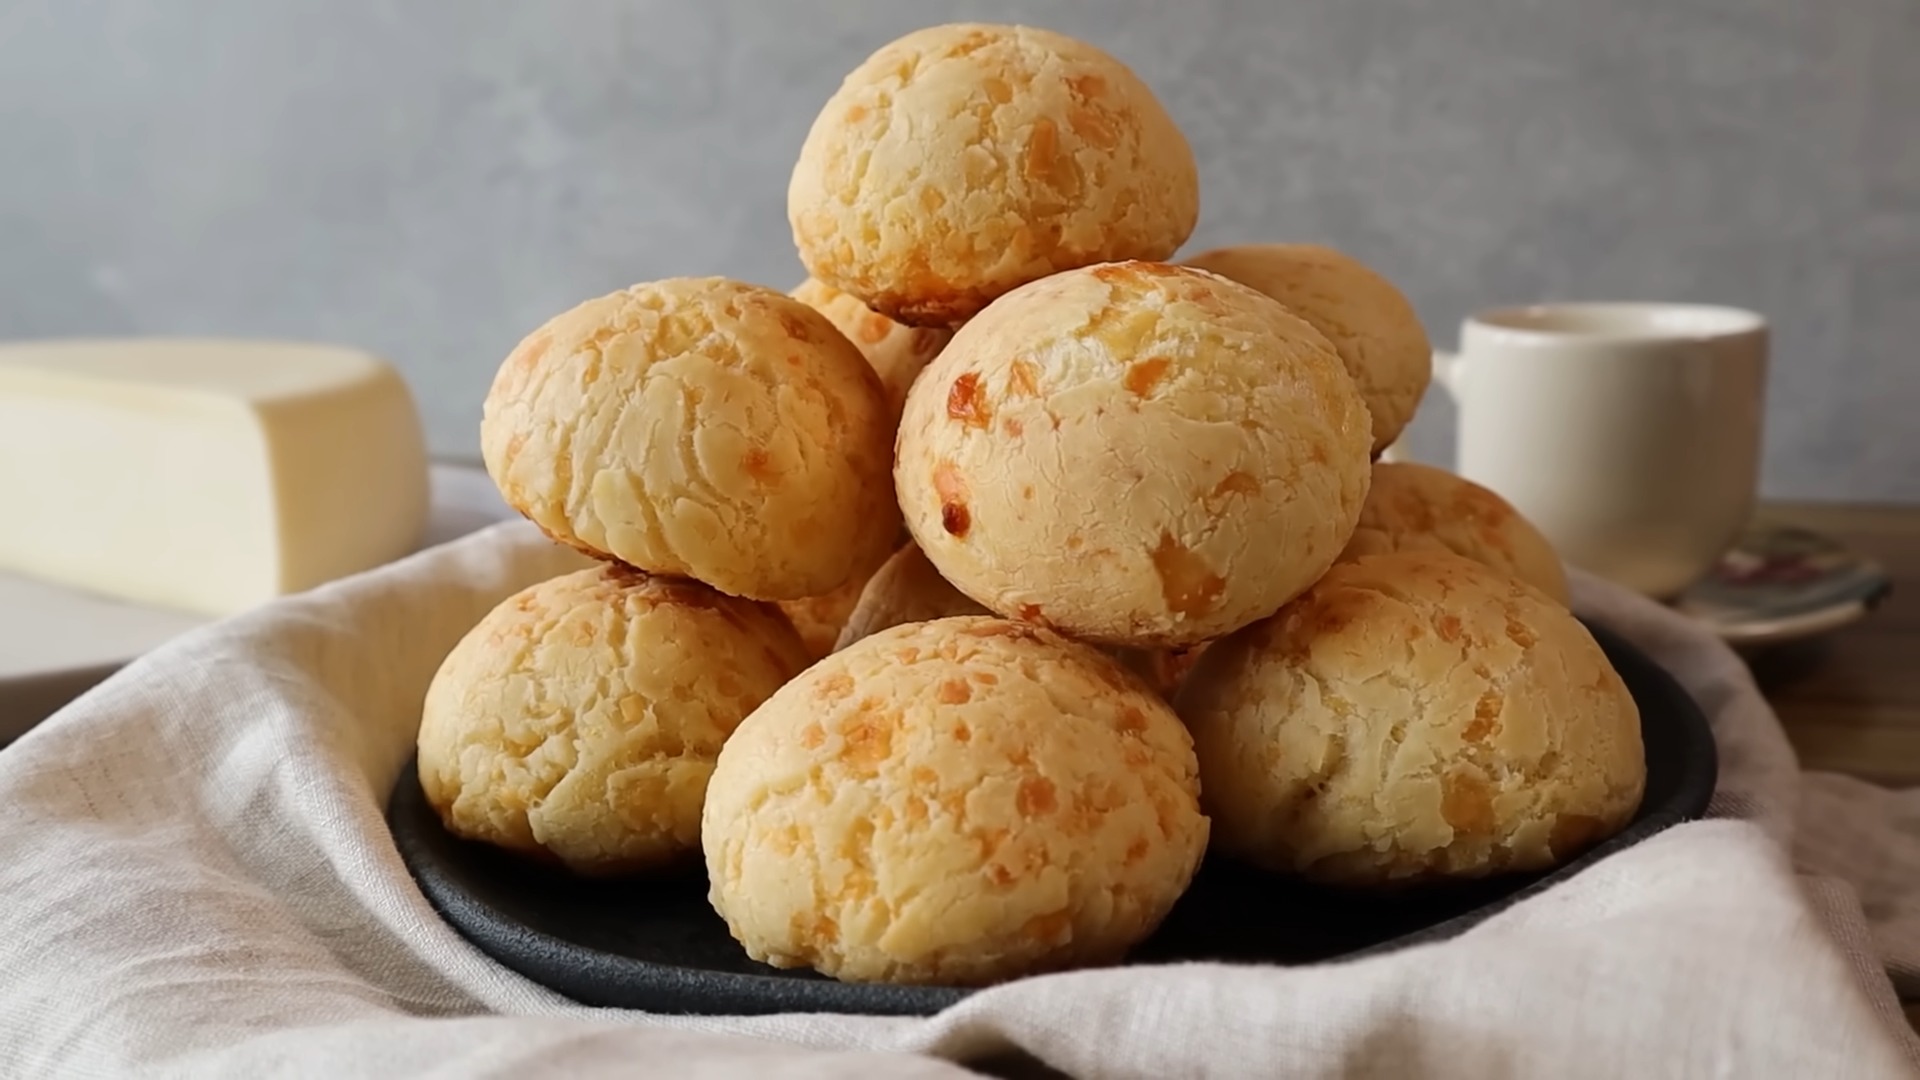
{"type": "Point", "coordinates": [197, 881]}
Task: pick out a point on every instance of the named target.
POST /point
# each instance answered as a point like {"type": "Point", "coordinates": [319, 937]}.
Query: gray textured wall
{"type": "Point", "coordinates": [432, 178]}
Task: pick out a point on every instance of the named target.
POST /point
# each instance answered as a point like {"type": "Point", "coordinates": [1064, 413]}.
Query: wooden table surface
{"type": "Point", "coordinates": [1850, 700]}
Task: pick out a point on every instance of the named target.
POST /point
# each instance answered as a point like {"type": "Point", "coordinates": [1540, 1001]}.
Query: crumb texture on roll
{"type": "Point", "coordinates": [1135, 454]}
{"type": "Point", "coordinates": [961, 161]}
{"type": "Point", "coordinates": [1413, 716]}
{"type": "Point", "coordinates": [702, 428]}
{"type": "Point", "coordinates": [1413, 507]}
{"type": "Point", "coordinates": [897, 353]}
{"type": "Point", "coordinates": [960, 802]}
{"type": "Point", "coordinates": [1376, 331]}
{"type": "Point", "coordinates": [579, 721]}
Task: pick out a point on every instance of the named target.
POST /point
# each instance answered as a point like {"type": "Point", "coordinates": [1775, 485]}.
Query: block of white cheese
{"type": "Point", "coordinates": [205, 476]}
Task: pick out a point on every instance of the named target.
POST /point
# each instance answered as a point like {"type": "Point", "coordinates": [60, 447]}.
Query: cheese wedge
{"type": "Point", "coordinates": [205, 476]}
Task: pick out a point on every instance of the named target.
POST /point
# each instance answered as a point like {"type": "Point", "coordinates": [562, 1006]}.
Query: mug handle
{"type": "Point", "coordinates": [1446, 375]}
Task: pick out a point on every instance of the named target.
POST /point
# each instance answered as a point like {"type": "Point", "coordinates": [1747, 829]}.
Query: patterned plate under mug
{"type": "Point", "coordinates": [1781, 583]}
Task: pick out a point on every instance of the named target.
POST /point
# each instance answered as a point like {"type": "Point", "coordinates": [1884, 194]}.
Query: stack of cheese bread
{"type": "Point", "coordinates": [953, 605]}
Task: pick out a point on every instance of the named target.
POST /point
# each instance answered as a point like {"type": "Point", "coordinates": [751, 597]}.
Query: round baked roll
{"type": "Point", "coordinates": [897, 353]}
{"type": "Point", "coordinates": [1413, 716]}
{"type": "Point", "coordinates": [961, 161]}
{"type": "Point", "coordinates": [702, 428]}
{"type": "Point", "coordinates": [1371, 324]}
{"type": "Point", "coordinates": [1413, 507]}
{"type": "Point", "coordinates": [580, 719]}
{"type": "Point", "coordinates": [1135, 454]}
{"type": "Point", "coordinates": [959, 801]}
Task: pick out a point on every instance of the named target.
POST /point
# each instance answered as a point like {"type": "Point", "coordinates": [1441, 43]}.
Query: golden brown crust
{"type": "Point", "coordinates": [959, 162]}
{"type": "Point", "coordinates": [1413, 716]}
{"type": "Point", "coordinates": [699, 427]}
{"type": "Point", "coordinates": [1135, 454]}
{"type": "Point", "coordinates": [1371, 324]}
{"type": "Point", "coordinates": [959, 802]}
{"type": "Point", "coordinates": [1413, 507]}
{"type": "Point", "coordinates": [580, 719]}
{"type": "Point", "coordinates": [897, 353]}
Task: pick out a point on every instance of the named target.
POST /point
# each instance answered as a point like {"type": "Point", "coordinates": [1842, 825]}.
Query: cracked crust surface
{"type": "Point", "coordinates": [1135, 454]}
{"type": "Point", "coordinates": [959, 801]}
{"type": "Point", "coordinates": [703, 428]}
{"type": "Point", "coordinates": [579, 721]}
{"type": "Point", "coordinates": [961, 161]}
{"type": "Point", "coordinates": [1371, 324]}
{"type": "Point", "coordinates": [1413, 507]}
{"type": "Point", "coordinates": [897, 353]}
{"type": "Point", "coordinates": [1413, 716]}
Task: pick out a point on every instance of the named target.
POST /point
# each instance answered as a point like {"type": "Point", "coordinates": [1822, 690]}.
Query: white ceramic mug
{"type": "Point", "coordinates": [1629, 433]}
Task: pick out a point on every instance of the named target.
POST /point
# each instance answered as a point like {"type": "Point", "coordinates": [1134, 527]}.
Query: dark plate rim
{"type": "Point", "coordinates": [671, 988]}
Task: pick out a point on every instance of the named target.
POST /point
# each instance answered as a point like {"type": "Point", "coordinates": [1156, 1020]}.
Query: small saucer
{"type": "Point", "coordinates": [1781, 583]}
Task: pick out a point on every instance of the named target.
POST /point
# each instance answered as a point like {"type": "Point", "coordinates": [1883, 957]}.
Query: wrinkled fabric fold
{"type": "Point", "coordinates": [200, 882]}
